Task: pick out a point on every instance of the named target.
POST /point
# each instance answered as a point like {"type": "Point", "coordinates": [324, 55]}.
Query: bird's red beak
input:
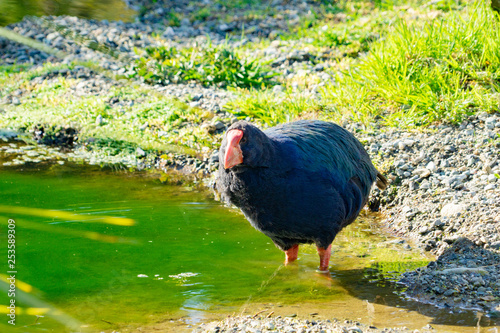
{"type": "Point", "coordinates": [234, 155]}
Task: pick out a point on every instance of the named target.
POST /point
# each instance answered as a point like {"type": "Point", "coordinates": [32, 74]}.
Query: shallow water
{"type": "Point", "coordinates": [186, 257]}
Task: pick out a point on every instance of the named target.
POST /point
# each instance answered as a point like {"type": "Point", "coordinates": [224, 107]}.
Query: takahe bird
{"type": "Point", "coordinates": [301, 182]}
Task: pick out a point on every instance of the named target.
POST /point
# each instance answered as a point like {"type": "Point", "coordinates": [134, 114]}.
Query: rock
{"type": "Point", "coordinates": [438, 224]}
{"type": "Point", "coordinates": [219, 125]}
{"type": "Point", "coordinates": [98, 120]}
{"type": "Point", "coordinates": [224, 27]}
{"type": "Point", "coordinates": [492, 178]}
{"type": "Point", "coordinates": [452, 209]}
{"type": "Point", "coordinates": [140, 152]}
{"type": "Point", "coordinates": [214, 157]}
{"type": "Point", "coordinates": [424, 173]}
{"type": "Point", "coordinates": [169, 32]}
{"type": "Point", "coordinates": [52, 36]}
{"type": "Point", "coordinates": [490, 187]}
{"type": "Point", "coordinates": [319, 67]}
{"type": "Point", "coordinates": [431, 166]}
{"type": "Point", "coordinates": [424, 185]}
{"type": "Point", "coordinates": [449, 292]}
{"type": "Point", "coordinates": [197, 97]}
{"type": "Point", "coordinates": [209, 128]}
{"type": "Point", "coordinates": [15, 101]}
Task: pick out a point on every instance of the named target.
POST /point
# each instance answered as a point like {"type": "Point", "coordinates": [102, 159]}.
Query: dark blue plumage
{"type": "Point", "coordinates": [300, 182]}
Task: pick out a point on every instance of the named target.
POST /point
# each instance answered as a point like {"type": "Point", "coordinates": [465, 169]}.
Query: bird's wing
{"type": "Point", "coordinates": [326, 146]}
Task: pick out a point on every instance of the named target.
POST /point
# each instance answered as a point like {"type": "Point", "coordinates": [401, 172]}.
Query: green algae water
{"type": "Point", "coordinates": [104, 250]}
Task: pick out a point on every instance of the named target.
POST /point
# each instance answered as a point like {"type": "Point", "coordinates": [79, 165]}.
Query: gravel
{"type": "Point", "coordinates": [445, 188]}
{"type": "Point", "coordinates": [465, 276]}
{"type": "Point", "coordinates": [445, 182]}
{"type": "Point", "coordinates": [256, 324]}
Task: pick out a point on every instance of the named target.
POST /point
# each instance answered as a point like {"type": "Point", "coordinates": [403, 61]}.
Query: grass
{"type": "Point", "coordinates": [10, 69]}
{"type": "Point", "coordinates": [444, 70]}
{"type": "Point", "coordinates": [441, 68]}
{"type": "Point", "coordinates": [202, 14]}
{"type": "Point", "coordinates": [154, 122]}
{"type": "Point", "coordinates": [342, 29]}
{"type": "Point", "coordinates": [208, 64]}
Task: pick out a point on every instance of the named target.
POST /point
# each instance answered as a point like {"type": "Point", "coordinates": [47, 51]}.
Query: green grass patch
{"type": "Point", "coordinates": [202, 14]}
{"type": "Point", "coordinates": [420, 72]}
{"type": "Point", "coordinates": [273, 108]}
{"type": "Point", "coordinates": [152, 122]}
{"type": "Point", "coordinates": [174, 19]}
{"type": "Point", "coordinates": [444, 70]}
{"type": "Point", "coordinates": [16, 68]}
{"type": "Point", "coordinates": [239, 4]}
{"type": "Point", "coordinates": [208, 64]}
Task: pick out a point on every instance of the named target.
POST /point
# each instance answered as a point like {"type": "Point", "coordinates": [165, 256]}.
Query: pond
{"type": "Point", "coordinates": [171, 256]}
{"type": "Point", "coordinates": [12, 11]}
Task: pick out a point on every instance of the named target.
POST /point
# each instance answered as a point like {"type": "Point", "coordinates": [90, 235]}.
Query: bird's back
{"type": "Point", "coordinates": [327, 146]}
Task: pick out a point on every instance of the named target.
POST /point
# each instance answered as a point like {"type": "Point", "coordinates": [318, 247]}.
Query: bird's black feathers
{"type": "Point", "coordinates": [300, 182]}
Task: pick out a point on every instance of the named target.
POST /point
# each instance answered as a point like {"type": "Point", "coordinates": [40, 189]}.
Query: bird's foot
{"type": "Point", "coordinates": [324, 258]}
{"type": "Point", "coordinates": [292, 254]}
{"type": "Point", "coordinates": [325, 278]}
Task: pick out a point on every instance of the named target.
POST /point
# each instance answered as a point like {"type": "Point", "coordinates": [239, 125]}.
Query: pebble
{"type": "Point", "coordinates": [452, 209]}
{"type": "Point", "coordinates": [431, 167]}
{"type": "Point", "coordinates": [285, 325]}
{"type": "Point", "coordinates": [492, 178]}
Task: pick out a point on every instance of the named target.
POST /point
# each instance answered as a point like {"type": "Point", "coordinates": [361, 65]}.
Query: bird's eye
{"type": "Point", "coordinates": [243, 140]}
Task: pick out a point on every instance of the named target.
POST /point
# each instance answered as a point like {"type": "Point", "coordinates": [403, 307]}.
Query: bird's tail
{"type": "Point", "coordinates": [382, 182]}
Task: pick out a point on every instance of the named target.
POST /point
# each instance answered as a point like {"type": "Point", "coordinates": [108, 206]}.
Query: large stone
{"type": "Point", "coordinates": [452, 209]}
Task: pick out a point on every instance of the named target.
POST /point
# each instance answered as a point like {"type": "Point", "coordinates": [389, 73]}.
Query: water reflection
{"type": "Point", "coordinates": [196, 305]}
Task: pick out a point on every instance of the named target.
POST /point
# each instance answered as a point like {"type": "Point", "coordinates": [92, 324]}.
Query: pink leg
{"type": "Point", "coordinates": [324, 258]}
{"type": "Point", "coordinates": [292, 254]}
